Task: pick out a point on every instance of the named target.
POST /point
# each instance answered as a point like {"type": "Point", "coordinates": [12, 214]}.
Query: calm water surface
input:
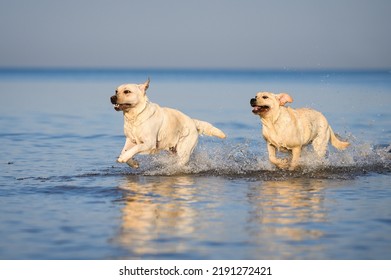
{"type": "Point", "coordinates": [63, 196]}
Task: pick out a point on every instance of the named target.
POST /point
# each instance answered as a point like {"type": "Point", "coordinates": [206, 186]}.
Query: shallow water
{"type": "Point", "coordinates": [63, 196]}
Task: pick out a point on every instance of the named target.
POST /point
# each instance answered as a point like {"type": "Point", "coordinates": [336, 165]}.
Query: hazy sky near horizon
{"type": "Point", "coordinates": [278, 34]}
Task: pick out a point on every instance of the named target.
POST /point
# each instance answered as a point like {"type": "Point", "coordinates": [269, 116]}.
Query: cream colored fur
{"type": "Point", "coordinates": [287, 129]}
{"type": "Point", "coordinates": [150, 128]}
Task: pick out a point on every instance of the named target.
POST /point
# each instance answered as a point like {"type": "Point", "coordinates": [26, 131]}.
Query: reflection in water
{"type": "Point", "coordinates": [291, 202]}
{"type": "Point", "coordinates": [291, 214]}
{"type": "Point", "coordinates": [157, 214]}
{"type": "Point", "coordinates": [179, 217]}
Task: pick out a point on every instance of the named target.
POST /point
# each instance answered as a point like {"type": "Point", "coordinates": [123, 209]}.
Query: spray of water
{"type": "Point", "coordinates": [249, 158]}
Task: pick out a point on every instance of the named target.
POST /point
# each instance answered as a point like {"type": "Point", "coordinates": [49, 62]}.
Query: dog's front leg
{"type": "Point", "coordinates": [127, 146]}
{"type": "Point", "coordinates": [280, 163]}
{"type": "Point", "coordinates": [128, 154]}
{"type": "Point", "coordinates": [296, 151]}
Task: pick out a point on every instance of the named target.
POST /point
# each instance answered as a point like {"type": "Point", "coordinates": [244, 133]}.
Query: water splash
{"type": "Point", "coordinates": [249, 158]}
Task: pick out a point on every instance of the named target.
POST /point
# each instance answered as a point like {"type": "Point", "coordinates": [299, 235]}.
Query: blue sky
{"type": "Point", "coordinates": [263, 34]}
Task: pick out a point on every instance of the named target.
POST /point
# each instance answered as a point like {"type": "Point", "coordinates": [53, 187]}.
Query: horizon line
{"type": "Point", "coordinates": [185, 69]}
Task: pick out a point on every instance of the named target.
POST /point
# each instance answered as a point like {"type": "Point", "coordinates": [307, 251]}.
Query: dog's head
{"type": "Point", "coordinates": [265, 103]}
{"type": "Point", "coordinates": [129, 96]}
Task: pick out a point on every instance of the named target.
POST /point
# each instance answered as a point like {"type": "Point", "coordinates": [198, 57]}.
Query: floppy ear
{"type": "Point", "coordinates": [284, 98]}
{"type": "Point", "coordinates": [145, 85]}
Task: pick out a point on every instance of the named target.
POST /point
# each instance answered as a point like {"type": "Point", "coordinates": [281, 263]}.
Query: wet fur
{"type": "Point", "coordinates": [287, 129]}
{"type": "Point", "coordinates": [150, 128]}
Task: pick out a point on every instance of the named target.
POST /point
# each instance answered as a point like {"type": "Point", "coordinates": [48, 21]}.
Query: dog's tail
{"type": "Point", "coordinates": [208, 129]}
{"type": "Point", "coordinates": [340, 145]}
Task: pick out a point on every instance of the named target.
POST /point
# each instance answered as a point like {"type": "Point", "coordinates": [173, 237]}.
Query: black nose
{"type": "Point", "coordinates": [253, 102]}
{"type": "Point", "coordinates": [113, 99]}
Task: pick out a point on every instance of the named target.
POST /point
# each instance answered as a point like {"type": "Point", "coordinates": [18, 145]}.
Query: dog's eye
{"type": "Point", "coordinates": [127, 91]}
{"type": "Point", "coordinates": [116, 91]}
{"type": "Point", "coordinates": [265, 97]}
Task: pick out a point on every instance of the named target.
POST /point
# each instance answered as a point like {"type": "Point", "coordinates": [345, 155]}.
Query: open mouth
{"type": "Point", "coordinates": [122, 107]}
{"type": "Point", "coordinates": [260, 109]}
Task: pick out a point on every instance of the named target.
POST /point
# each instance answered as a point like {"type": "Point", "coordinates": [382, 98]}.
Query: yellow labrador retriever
{"type": "Point", "coordinates": [286, 129]}
{"type": "Point", "coordinates": [150, 128]}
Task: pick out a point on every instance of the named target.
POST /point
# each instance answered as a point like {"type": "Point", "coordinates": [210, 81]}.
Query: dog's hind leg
{"type": "Point", "coordinates": [185, 148]}
{"type": "Point", "coordinates": [320, 145]}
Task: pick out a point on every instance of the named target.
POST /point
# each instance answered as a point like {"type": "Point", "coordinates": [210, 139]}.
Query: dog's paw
{"type": "Point", "coordinates": [293, 167]}
{"type": "Point", "coordinates": [132, 163]}
{"type": "Point", "coordinates": [282, 163]}
{"type": "Point", "coordinates": [120, 159]}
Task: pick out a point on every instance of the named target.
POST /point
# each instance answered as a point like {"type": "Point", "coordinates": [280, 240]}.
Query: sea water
{"type": "Point", "coordinates": [63, 196]}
